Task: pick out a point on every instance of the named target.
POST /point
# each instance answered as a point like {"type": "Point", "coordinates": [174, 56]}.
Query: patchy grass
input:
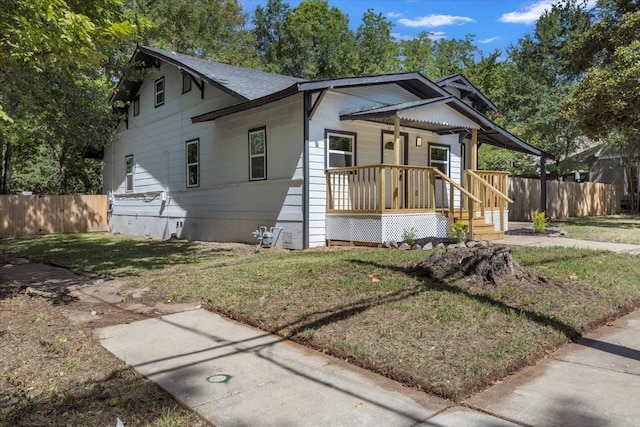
{"type": "Point", "coordinates": [613, 228]}
{"type": "Point", "coordinates": [366, 306]}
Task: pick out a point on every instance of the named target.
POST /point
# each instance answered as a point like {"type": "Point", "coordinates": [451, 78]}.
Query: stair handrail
{"type": "Point", "coordinates": [471, 198]}
{"type": "Point", "coordinates": [489, 186]}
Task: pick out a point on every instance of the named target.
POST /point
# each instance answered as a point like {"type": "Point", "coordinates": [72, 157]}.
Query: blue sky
{"type": "Point", "coordinates": [495, 23]}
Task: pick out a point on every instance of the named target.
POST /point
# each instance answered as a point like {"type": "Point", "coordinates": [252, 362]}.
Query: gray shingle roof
{"type": "Point", "coordinates": [246, 83]}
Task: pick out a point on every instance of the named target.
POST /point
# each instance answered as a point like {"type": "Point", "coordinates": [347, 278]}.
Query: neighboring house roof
{"type": "Point", "coordinates": [242, 83]}
{"type": "Point", "coordinates": [468, 91]}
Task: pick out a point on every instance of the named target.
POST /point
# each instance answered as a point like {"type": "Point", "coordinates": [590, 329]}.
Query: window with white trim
{"type": "Point", "coordinates": [258, 154]}
{"type": "Point", "coordinates": [129, 169]}
{"type": "Point", "coordinates": [186, 82]}
{"type": "Point", "coordinates": [193, 163]}
{"type": "Point", "coordinates": [159, 92]}
{"type": "Point", "coordinates": [439, 157]}
{"type": "Point", "coordinates": [341, 149]}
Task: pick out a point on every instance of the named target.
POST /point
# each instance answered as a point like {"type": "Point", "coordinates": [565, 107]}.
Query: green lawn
{"type": "Point", "coordinates": [365, 305]}
{"type": "Point", "coordinates": [613, 228]}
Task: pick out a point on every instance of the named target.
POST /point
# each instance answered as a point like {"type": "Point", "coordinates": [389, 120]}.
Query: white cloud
{"type": "Point", "coordinates": [434, 35]}
{"type": "Point", "coordinates": [432, 21]}
{"type": "Point", "coordinates": [529, 15]}
{"type": "Point", "coordinates": [487, 41]}
{"type": "Point", "coordinates": [393, 15]}
{"type": "Point", "coordinates": [399, 36]}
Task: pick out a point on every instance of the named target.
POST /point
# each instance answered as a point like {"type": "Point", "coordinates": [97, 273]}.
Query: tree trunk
{"type": "Point", "coordinates": [6, 179]}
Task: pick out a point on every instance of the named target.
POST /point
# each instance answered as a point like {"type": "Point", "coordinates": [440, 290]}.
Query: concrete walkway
{"type": "Point", "coordinates": [234, 375]}
{"type": "Point", "coordinates": [542, 241]}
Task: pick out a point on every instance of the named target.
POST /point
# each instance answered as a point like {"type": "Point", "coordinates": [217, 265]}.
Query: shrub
{"type": "Point", "coordinates": [539, 222]}
{"type": "Point", "coordinates": [409, 235]}
{"type": "Point", "coordinates": [458, 231]}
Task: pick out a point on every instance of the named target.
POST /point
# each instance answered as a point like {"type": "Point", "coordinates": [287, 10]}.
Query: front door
{"type": "Point", "coordinates": [387, 158]}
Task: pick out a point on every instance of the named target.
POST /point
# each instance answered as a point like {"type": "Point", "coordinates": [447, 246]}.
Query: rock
{"type": "Point", "coordinates": [428, 246]}
{"type": "Point", "coordinates": [404, 247]}
{"type": "Point", "coordinates": [472, 244]}
{"type": "Point", "coordinates": [440, 245]}
{"type": "Point", "coordinates": [484, 243]}
{"type": "Point", "coordinates": [457, 245]}
{"type": "Point", "coordinates": [562, 233]}
{"type": "Point", "coordinates": [393, 244]}
{"type": "Point", "coordinates": [416, 247]}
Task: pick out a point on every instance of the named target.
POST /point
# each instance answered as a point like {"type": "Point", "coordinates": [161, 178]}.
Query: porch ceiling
{"type": "Point", "coordinates": [444, 115]}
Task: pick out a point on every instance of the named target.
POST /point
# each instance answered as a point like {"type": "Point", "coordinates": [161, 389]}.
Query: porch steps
{"type": "Point", "coordinates": [481, 229]}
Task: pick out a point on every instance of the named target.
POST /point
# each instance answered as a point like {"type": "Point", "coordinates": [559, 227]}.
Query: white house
{"type": "Point", "coordinates": [209, 151]}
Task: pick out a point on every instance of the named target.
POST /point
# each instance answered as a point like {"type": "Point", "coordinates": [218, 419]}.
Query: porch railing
{"type": "Point", "coordinates": [396, 189]}
{"type": "Point", "coordinates": [491, 188]}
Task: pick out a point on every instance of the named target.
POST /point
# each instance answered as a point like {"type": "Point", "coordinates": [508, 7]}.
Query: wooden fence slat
{"type": "Point", "coordinates": [564, 199]}
{"type": "Point", "coordinates": [27, 215]}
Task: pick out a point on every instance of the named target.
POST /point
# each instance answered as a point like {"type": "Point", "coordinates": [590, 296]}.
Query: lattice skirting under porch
{"type": "Point", "coordinates": [379, 228]}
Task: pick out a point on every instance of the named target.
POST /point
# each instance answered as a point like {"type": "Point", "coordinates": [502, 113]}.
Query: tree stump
{"type": "Point", "coordinates": [494, 265]}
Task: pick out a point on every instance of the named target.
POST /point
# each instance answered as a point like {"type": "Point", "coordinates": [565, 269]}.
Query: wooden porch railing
{"type": "Point", "coordinates": [395, 189]}
{"type": "Point", "coordinates": [491, 188]}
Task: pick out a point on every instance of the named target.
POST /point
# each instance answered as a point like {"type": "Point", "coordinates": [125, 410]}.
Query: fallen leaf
{"type": "Point", "coordinates": [359, 405]}
{"type": "Point", "coordinates": [573, 276]}
{"type": "Point", "coordinates": [375, 280]}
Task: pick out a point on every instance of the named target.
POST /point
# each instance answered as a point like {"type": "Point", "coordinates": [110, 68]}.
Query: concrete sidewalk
{"type": "Point", "coordinates": [234, 375]}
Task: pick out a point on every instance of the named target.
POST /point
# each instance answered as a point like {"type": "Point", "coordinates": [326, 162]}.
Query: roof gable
{"type": "Point", "coordinates": [242, 83]}
{"type": "Point", "coordinates": [467, 92]}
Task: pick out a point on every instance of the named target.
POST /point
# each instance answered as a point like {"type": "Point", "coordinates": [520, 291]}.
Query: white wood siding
{"type": "Point", "coordinates": [226, 206]}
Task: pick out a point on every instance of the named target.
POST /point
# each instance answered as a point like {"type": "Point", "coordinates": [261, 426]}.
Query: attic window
{"type": "Point", "coordinates": [186, 83]}
{"type": "Point", "coordinates": [136, 105]}
{"type": "Point", "coordinates": [128, 172]}
{"type": "Point", "coordinates": [159, 98]}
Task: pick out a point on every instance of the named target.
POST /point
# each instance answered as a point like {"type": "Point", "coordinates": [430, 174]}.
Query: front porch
{"type": "Point", "coordinates": [374, 203]}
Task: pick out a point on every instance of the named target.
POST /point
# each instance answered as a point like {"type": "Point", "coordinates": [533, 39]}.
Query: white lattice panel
{"type": "Point", "coordinates": [426, 225]}
{"type": "Point", "coordinates": [378, 228]}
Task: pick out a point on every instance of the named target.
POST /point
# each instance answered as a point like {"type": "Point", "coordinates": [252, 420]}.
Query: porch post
{"type": "Point", "coordinates": [396, 161]}
{"type": "Point", "coordinates": [543, 183]}
{"type": "Point", "coordinates": [474, 149]}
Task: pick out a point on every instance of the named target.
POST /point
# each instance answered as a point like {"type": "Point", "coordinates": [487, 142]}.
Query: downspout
{"type": "Point", "coordinates": [305, 170]}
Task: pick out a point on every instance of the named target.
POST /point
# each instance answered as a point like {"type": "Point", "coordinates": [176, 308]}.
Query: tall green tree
{"type": "Point", "coordinates": [41, 41]}
{"type": "Point", "coordinates": [377, 52]}
{"type": "Point", "coordinates": [212, 29]}
{"type": "Point", "coordinates": [315, 42]}
{"type": "Point", "coordinates": [268, 22]}
{"type": "Point", "coordinates": [437, 58]}
{"type": "Point", "coordinates": [605, 103]}
{"type": "Point", "coordinates": [541, 79]}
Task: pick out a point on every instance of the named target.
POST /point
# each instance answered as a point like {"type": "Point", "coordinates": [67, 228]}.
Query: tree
{"type": "Point", "coordinates": [605, 103]}
{"type": "Point", "coordinates": [316, 42]}
{"type": "Point", "coordinates": [42, 39]}
{"type": "Point", "coordinates": [376, 49]}
{"type": "Point", "coordinates": [211, 29]}
{"type": "Point", "coordinates": [540, 79]}
{"type": "Point", "coordinates": [439, 58]}
{"type": "Point", "coordinates": [268, 22]}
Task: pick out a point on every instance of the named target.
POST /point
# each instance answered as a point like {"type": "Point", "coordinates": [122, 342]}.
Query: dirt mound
{"type": "Point", "coordinates": [494, 265]}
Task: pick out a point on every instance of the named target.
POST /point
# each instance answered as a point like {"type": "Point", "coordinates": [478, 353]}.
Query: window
{"type": "Point", "coordinates": [159, 98]}
{"type": "Point", "coordinates": [186, 83]}
{"type": "Point", "coordinates": [193, 162]}
{"type": "Point", "coordinates": [128, 172]}
{"type": "Point", "coordinates": [341, 148]}
{"type": "Point", "coordinates": [439, 158]}
{"type": "Point", "coordinates": [258, 154]}
{"type": "Point", "coordinates": [136, 105]}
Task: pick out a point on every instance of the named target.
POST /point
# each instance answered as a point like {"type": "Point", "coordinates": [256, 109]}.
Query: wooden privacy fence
{"type": "Point", "coordinates": [25, 215]}
{"type": "Point", "coordinates": [564, 199]}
